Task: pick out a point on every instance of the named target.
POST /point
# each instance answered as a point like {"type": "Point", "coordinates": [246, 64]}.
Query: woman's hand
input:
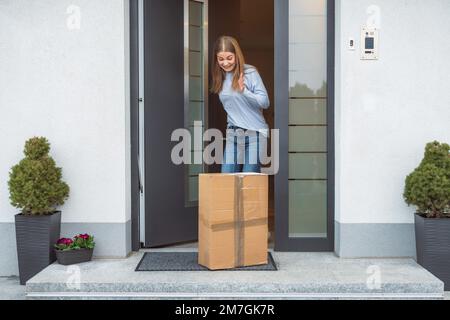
{"type": "Point", "coordinates": [241, 83]}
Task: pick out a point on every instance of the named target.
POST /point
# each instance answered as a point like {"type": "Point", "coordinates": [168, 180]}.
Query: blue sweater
{"type": "Point", "coordinates": [245, 109]}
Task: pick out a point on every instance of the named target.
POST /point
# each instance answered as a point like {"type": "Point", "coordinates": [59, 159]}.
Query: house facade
{"type": "Point", "coordinates": [357, 89]}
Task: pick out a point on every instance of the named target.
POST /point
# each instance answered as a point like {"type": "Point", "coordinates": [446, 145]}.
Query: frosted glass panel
{"type": "Point", "coordinates": [307, 139]}
{"type": "Point", "coordinates": [308, 29]}
{"type": "Point", "coordinates": [196, 88]}
{"type": "Point", "coordinates": [195, 64]}
{"type": "Point", "coordinates": [193, 188]}
{"type": "Point", "coordinates": [307, 111]}
{"type": "Point", "coordinates": [307, 84]}
{"type": "Point", "coordinates": [195, 38]}
{"type": "Point", "coordinates": [308, 119]}
{"type": "Point", "coordinates": [195, 112]}
{"type": "Point", "coordinates": [307, 166]}
{"type": "Point", "coordinates": [195, 169]}
{"type": "Point", "coordinates": [309, 56]}
{"type": "Point", "coordinates": [307, 7]}
{"type": "Point", "coordinates": [307, 48]}
{"type": "Point", "coordinates": [195, 13]}
{"type": "Point", "coordinates": [308, 209]}
{"type": "Point", "coordinates": [196, 104]}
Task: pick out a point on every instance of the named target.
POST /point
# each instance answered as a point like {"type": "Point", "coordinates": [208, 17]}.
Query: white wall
{"type": "Point", "coordinates": [72, 87]}
{"type": "Point", "coordinates": [387, 110]}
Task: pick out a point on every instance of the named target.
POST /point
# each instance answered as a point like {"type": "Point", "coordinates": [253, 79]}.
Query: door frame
{"type": "Point", "coordinates": [134, 125]}
{"type": "Point", "coordinates": [281, 189]}
{"type": "Point", "coordinates": [282, 243]}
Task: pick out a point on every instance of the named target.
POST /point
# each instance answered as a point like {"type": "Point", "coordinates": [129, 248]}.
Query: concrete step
{"type": "Point", "coordinates": [300, 276]}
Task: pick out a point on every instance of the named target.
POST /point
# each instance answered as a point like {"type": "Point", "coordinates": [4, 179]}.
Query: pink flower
{"type": "Point", "coordinates": [83, 236]}
{"type": "Point", "coordinates": [65, 241]}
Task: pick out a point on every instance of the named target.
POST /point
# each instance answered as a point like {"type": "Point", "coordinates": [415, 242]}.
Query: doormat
{"type": "Point", "coordinates": [187, 261]}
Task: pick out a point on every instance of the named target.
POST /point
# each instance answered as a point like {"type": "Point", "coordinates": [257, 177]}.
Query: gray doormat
{"type": "Point", "coordinates": [187, 261]}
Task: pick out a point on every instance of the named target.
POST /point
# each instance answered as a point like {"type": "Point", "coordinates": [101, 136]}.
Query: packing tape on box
{"type": "Point", "coordinates": [239, 216]}
{"type": "Point", "coordinates": [217, 226]}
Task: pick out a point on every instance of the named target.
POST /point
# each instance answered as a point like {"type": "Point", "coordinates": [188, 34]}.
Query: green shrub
{"type": "Point", "coordinates": [35, 184]}
{"type": "Point", "coordinates": [428, 186]}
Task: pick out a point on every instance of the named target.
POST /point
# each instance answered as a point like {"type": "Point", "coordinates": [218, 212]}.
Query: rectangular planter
{"type": "Point", "coordinates": [433, 246]}
{"type": "Point", "coordinates": [35, 236]}
{"type": "Point", "coordinates": [74, 256]}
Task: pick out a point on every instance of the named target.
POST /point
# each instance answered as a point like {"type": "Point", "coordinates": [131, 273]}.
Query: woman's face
{"type": "Point", "coordinates": [226, 60]}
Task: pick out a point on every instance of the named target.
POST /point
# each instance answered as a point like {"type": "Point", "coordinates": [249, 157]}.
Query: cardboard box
{"type": "Point", "coordinates": [233, 214]}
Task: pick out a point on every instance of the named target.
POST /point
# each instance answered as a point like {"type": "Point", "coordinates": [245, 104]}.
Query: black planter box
{"type": "Point", "coordinates": [74, 256]}
{"type": "Point", "coordinates": [433, 246]}
{"type": "Point", "coordinates": [36, 236]}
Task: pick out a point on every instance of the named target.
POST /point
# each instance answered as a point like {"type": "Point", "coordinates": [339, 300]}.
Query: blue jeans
{"type": "Point", "coordinates": [241, 151]}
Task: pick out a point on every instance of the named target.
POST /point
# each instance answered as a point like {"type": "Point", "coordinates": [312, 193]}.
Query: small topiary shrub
{"type": "Point", "coordinates": [35, 184]}
{"type": "Point", "coordinates": [428, 186]}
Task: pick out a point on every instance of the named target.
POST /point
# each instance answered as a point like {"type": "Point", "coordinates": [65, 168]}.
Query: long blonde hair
{"type": "Point", "coordinates": [226, 44]}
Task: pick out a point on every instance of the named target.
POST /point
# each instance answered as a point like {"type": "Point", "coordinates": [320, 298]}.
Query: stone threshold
{"type": "Point", "coordinates": [300, 276]}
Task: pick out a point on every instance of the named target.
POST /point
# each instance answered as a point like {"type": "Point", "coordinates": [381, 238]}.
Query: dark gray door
{"type": "Point", "coordinates": [173, 100]}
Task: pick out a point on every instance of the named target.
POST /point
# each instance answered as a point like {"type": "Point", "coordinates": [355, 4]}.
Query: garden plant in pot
{"type": "Point", "coordinates": [36, 187]}
{"type": "Point", "coordinates": [428, 188]}
{"type": "Point", "coordinates": [76, 250]}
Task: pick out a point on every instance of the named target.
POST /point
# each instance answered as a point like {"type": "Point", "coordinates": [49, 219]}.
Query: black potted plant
{"type": "Point", "coordinates": [36, 187]}
{"type": "Point", "coordinates": [76, 250]}
{"type": "Point", "coordinates": [428, 188]}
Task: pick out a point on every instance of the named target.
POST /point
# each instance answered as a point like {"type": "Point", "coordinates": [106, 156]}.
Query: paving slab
{"type": "Point", "coordinates": [300, 276]}
{"type": "Point", "coordinates": [10, 289]}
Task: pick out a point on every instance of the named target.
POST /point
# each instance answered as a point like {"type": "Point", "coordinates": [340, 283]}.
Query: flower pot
{"type": "Point", "coordinates": [35, 237]}
{"type": "Point", "coordinates": [69, 257]}
{"type": "Point", "coordinates": [433, 246]}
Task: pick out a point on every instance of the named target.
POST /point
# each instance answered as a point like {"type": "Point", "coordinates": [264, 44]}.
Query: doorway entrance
{"type": "Point", "coordinates": [251, 22]}
{"type": "Point", "coordinates": [291, 43]}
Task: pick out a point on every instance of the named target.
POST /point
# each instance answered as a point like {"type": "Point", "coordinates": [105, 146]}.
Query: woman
{"type": "Point", "coordinates": [243, 96]}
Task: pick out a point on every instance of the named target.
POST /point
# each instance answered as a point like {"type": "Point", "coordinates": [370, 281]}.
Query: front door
{"type": "Point", "coordinates": [176, 96]}
{"type": "Point", "coordinates": [174, 81]}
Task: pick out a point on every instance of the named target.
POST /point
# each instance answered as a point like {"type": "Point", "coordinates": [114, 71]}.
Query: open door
{"type": "Point", "coordinates": [175, 89]}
